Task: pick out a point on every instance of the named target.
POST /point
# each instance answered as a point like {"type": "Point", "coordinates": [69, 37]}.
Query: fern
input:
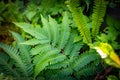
{"type": "Point", "coordinates": [83, 60]}
{"type": "Point", "coordinates": [99, 10]}
{"type": "Point", "coordinates": [7, 67]}
{"type": "Point", "coordinates": [46, 27]}
{"type": "Point", "coordinates": [51, 52]}
{"type": "Point", "coordinates": [24, 53]}
{"type": "Point", "coordinates": [62, 64]}
{"type": "Point", "coordinates": [75, 68]}
{"type": "Point", "coordinates": [85, 72]}
{"type": "Point", "coordinates": [44, 52]}
{"type": "Point", "coordinates": [20, 56]}
{"type": "Point", "coordinates": [59, 53]}
{"type": "Point", "coordinates": [80, 20]}
{"type": "Point", "coordinates": [23, 48]}
{"type": "Point", "coordinates": [44, 59]}
{"type": "Point", "coordinates": [31, 30]}
{"type": "Point", "coordinates": [35, 42]}
{"type": "Point", "coordinates": [65, 33]}
{"type": "Point", "coordinates": [40, 48]}
{"type": "Point", "coordinates": [98, 14]}
{"type": "Point", "coordinates": [14, 54]}
{"type": "Point", "coordinates": [54, 31]}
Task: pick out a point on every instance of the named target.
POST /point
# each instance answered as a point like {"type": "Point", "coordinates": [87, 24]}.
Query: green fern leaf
{"type": "Point", "coordinates": [24, 52]}
{"type": "Point", "coordinates": [14, 54]}
{"type": "Point", "coordinates": [42, 56]}
{"type": "Point", "coordinates": [54, 30]}
{"type": "Point", "coordinates": [80, 20]}
{"type": "Point", "coordinates": [86, 71]}
{"type": "Point", "coordinates": [31, 30]}
{"type": "Point", "coordinates": [84, 59]}
{"type": "Point", "coordinates": [69, 45]}
{"type": "Point", "coordinates": [75, 51]}
{"type": "Point", "coordinates": [62, 64]}
{"type": "Point", "coordinates": [65, 71]}
{"type": "Point", "coordinates": [43, 59]}
{"type": "Point", "coordinates": [58, 58]}
{"type": "Point", "coordinates": [7, 67]}
{"type": "Point", "coordinates": [35, 41]}
{"type": "Point", "coordinates": [65, 32]}
{"type": "Point", "coordinates": [97, 16]}
{"type": "Point", "coordinates": [23, 48]}
{"type": "Point", "coordinates": [46, 27]}
{"type": "Point", "coordinates": [40, 48]}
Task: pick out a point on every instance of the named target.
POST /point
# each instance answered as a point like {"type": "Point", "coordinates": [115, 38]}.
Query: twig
{"type": "Point", "coordinates": [105, 73]}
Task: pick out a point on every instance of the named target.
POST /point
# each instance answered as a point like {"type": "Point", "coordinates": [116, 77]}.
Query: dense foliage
{"type": "Point", "coordinates": [44, 41]}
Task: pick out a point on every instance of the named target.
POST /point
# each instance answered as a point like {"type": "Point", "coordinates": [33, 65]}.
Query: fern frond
{"type": "Point", "coordinates": [14, 54]}
{"type": "Point", "coordinates": [65, 32]}
{"type": "Point", "coordinates": [23, 48]}
{"type": "Point", "coordinates": [45, 59]}
{"type": "Point", "coordinates": [42, 60]}
{"type": "Point", "coordinates": [7, 67]}
{"type": "Point", "coordinates": [35, 41]}
{"type": "Point", "coordinates": [29, 28]}
{"type": "Point", "coordinates": [75, 49]}
{"type": "Point", "coordinates": [85, 72]}
{"type": "Point", "coordinates": [54, 30]}
{"type": "Point", "coordinates": [69, 46]}
{"type": "Point", "coordinates": [46, 27]}
{"type": "Point", "coordinates": [84, 59]}
{"type": "Point", "coordinates": [59, 74]}
{"type": "Point", "coordinates": [40, 48]}
{"type": "Point", "coordinates": [58, 58]}
{"type": "Point", "coordinates": [80, 20]}
{"type": "Point", "coordinates": [65, 71]}
{"type": "Point", "coordinates": [62, 64]}
{"type": "Point", "coordinates": [99, 10]}
{"type": "Point", "coordinates": [24, 52]}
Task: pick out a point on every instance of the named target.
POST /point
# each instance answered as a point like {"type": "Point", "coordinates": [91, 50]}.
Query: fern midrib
{"type": "Point", "coordinates": [96, 25]}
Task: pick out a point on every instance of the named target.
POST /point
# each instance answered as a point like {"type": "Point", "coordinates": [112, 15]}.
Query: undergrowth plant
{"type": "Point", "coordinates": [53, 53]}
{"type": "Point", "coordinates": [90, 30]}
{"type": "Point", "coordinates": [9, 12]}
{"type": "Point", "coordinates": [51, 49]}
{"type": "Point", "coordinates": [17, 61]}
{"type": "Point", "coordinates": [53, 7]}
{"type": "Point", "coordinates": [85, 25]}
